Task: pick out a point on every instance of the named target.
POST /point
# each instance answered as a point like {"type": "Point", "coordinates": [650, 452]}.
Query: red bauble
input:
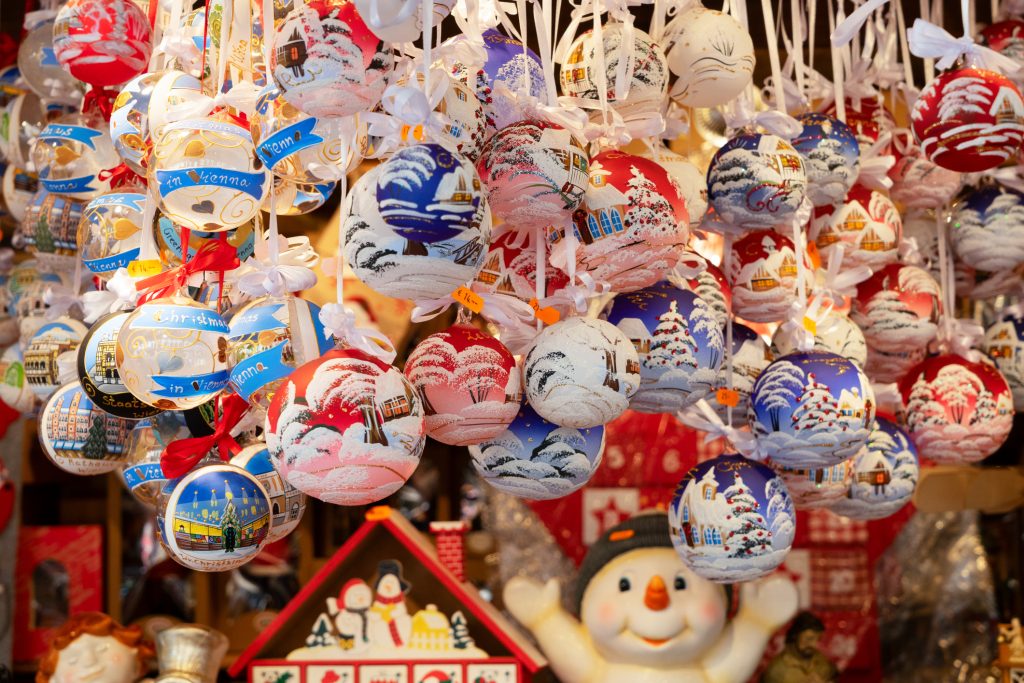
{"type": "Point", "coordinates": [511, 269]}
{"type": "Point", "coordinates": [917, 183]}
{"type": "Point", "coordinates": [763, 276]}
{"type": "Point", "coordinates": [867, 224]}
{"type": "Point", "coordinates": [1006, 37]}
{"type": "Point", "coordinates": [868, 118]}
{"type": "Point", "coordinates": [102, 42]}
{"type": "Point", "coordinates": [898, 309]}
{"type": "Point", "coordinates": [969, 120]}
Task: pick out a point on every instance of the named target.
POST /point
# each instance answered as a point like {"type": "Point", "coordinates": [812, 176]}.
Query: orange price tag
{"type": "Point", "coordinates": [548, 316]}
{"type": "Point", "coordinates": [727, 397]}
{"type": "Point", "coordinates": [144, 268]}
{"type": "Point", "coordinates": [468, 298]}
{"type": "Point", "coordinates": [810, 325]}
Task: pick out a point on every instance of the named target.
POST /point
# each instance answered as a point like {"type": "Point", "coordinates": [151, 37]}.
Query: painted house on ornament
{"type": "Point", "coordinates": [822, 475]}
{"type": "Point", "coordinates": [637, 333]}
{"type": "Point", "coordinates": [454, 635]}
{"type": "Point", "coordinates": [878, 476]}
{"type": "Point", "coordinates": [696, 530]}
{"type": "Point", "coordinates": [1007, 106]}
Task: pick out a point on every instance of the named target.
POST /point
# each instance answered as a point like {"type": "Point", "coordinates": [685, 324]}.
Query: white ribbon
{"type": "Point", "coordinates": [407, 107]}
{"type": "Point", "coordinates": [701, 416]}
{"type": "Point", "coordinates": [566, 115]}
{"type": "Point", "coordinates": [59, 301]}
{"type": "Point", "coordinates": [340, 322]}
{"type": "Point", "coordinates": [742, 115]}
{"type": "Point", "coordinates": [875, 166]}
{"type": "Point", "coordinates": [241, 96]}
{"type": "Point", "coordinates": [1010, 176]}
{"type": "Point", "coordinates": [261, 279]}
{"type": "Point", "coordinates": [501, 309]}
{"type": "Point", "coordinates": [803, 315]}
{"type": "Point", "coordinates": [119, 295]}
{"type": "Point", "coordinates": [67, 367]}
{"type": "Point", "coordinates": [887, 395]}
{"type": "Point", "coordinates": [842, 283]}
{"type": "Point", "coordinates": [39, 16]}
{"type": "Point", "coordinates": [910, 252]}
{"type": "Point", "coordinates": [677, 121]}
{"type": "Point", "coordinates": [850, 26]}
{"type": "Point", "coordinates": [178, 46]}
{"type": "Point", "coordinates": [463, 51]}
{"type": "Point", "coordinates": [6, 260]}
{"type": "Point", "coordinates": [929, 41]}
{"type": "Point", "coordinates": [960, 336]}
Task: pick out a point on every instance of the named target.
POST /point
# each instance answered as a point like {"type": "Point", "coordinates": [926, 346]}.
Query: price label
{"type": "Point", "coordinates": [468, 298]}
{"type": "Point", "coordinates": [548, 315]}
{"type": "Point", "coordinates": [728, 397]}
{"type": "Point", "coordinates": [810, 325]}
{"type": "Point", "coordinates": [145, 268]}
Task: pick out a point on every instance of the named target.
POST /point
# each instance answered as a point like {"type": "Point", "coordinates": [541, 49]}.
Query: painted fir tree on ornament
{"type": "Point", "coordinates": [756, 181]}
{"type": "Point", "coordinates": [987, 228]}
{"type": "Point", "coordinates": [831, 157]}
{"type": "Point", "coordinates": [764, 276]}
{"type": "Point", "coordinates": [898, 309]}
{"type": "Point", "coordinates": [885, 474]}
{"type": "Point", "coordinates": [867, 225]}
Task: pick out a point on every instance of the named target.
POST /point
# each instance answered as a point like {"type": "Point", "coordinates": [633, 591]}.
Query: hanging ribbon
{"type": "Point", "coordinates": [564, 114]}
{"type": "Point", "coordinates": [742, 115]}
{"type": "Point", "coordinates": [119, 295]}
{"type": "Point", "coordinates": [807, 321]}
{"type": "Point", "coordinates": [120, 175]}
{"type": "Point", "coordinates": [875, 166]}
{"type": "Point", "coordinates": [701, 416]}
{"type": "Point", "coordinates": [910, 252]}
{"type": "Point", "coordinates": [340, 322]}
{"type": "Point", "coordinates": [887, 396]}
{"type": "Point", "coordinates": [277, 271]}
{"type": "Point", "coordinates": [838, 283]}
{"type": "Point", "coordinates": [180, 456]}
{"type": "Point", "coordinates": [933, 42]}
{"type": "Point", "coordinates": [501, 309]}
{"type": "Point", "coordinates": [844, 32]}
{"type": "Point", "coordinates": [37, 17]}
{"type": "Point", "coordinates": [214, 256]}
{"type": "Point", "coordinates": [241, 96]}
{"type": "Point", "coordinates": [59, 301]}
{"type": "Point", "coordinates": [410, 115]}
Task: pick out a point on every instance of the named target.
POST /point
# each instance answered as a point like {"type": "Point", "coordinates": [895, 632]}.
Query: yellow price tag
{"type": "Point", "coordinates": [468, 298]}
{"type": "Point", "coordinates": [810, 325]}
{"type": "Point", "coordinates": [548, 315]}
{"type": "Point", "coordinates": [145, 268]}
{"type": "Point", "coordinates": [727, 397]}
{"type": "Point", "coordinates": [415, 131]}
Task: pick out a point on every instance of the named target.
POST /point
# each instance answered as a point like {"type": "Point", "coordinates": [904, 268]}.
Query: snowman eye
{"type": "Point", "coordinates": [680, 583]}
{"type": "Point", "coordinates": [624, 585]}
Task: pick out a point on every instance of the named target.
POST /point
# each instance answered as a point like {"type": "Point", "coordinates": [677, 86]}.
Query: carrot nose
{"type": "Point", "coordinates": [656, 595]}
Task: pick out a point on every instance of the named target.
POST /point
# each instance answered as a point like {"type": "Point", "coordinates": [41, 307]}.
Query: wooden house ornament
{"type": "Point", "coordinates": [390, 608]}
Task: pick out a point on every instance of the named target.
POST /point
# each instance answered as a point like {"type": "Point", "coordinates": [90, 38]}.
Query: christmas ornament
{"type": "Point", "coordinates": [110, 232]}
{"type": "Point", "coordinates": [217, 518]}
{"type": "Point", "coordinates": [712, 58]}
{"type": "Point", "coordinates": [400, 268]}
{"type": "Point", "coordinates": [731, 520]}
{"type": "Point", "coordinates": [867, 225]}
{"type": "Point", "coordinates": [51, 224]}
{"type": "Point", "coordinates": [917, 183]}
{"type": "Point", "coordinates": [690, 181]}
{"type": "Point", "coordinates": [426, 193]}
{"type": "Point", "coordinates": [831, 158]}
{"type": "Point", "coordinates": [345, 428]}
{"type": "Point", "coordinates": [129, 121]}
{"type": "Point", "coordinates": [969, 120]}
{"type": "Point", "coordinates": [77, 436]}
{"type": "Point", "coordinates": [401, 21]}
{"type": "Point", "coordinates": [141, 471]}
{"type": "Point", "coordinates": [463, 122]}
{"type": "Point", "coordinates": [267, 339]}
{"type": "Point", "coordinates": [44, 347]}
{"type": "Point", "coordinates": [1006, 37]}
{"type": "Point", "coordinates": [287, 503]}
{"type": "Point", "coordinates": [644, 79]}
{"type": "Point", "coordinates": [679, 343]}
{"type": "Point", "coordinates": [756, 181]}
{"type": "Point", "coordinates": [538, 460]}
{"type": "Point", "coordinates": [26, 115]}
{"type": "Point", "coordinates": [97, 370]}
{"type": "Point", "coordinates": [819, 487]}
{"type": "Point", "coordinates": [811, 410]}
{"type": "Point", "coordinates": [15, 390]}
{"type": "Point", "coordinates": [37, 62]}
{"type": "Point", "coordinates": [172, 353]}
{"type": "Point", "coordinates": [18, 188]}
{"type": "Point", "coordinates": [632, 224]}
{"type": "Point", "coordinates": [535, 173]}
{"type": "Point", "coordinates": [511, 269]}
{"type": "Point", "coordinates": [207, 175]}
{"type": "Point", "coordinates": [1003, 344]}
{"type": "Point", "coordinates": [71, 155]}
{"type": "Point", "coordinates": [898, 309]}
{"type": "Point", "coordinates": [764, 276]}
{"type": "Point", "coordinates": [834, 333]}
{"type": "Point", "coordinates": [957, 411]}
{"type": "Point", "coordinates": [174, 92]}
{"type": "Point", "coordinates": [295, 199]}
{"type": "Point", "coordinates": [885, 474]}
{"type": "Point", "coordinates": [867, 117]}
{"type": "Point", "coordinates": [102, 42]}
{"type": "Point", "coordinates": [168, 241]}
{"type": "Point", "coordinates": [710, 284]}
{"type": "Point", "coordinates": [581, 373]}
{"type": "Point", "coordinates": [750, 356]}
{"type": "Point", "coordinates": [987, 228]}
{"type": "Point", "coordinates": [469, 385]}
{"type": "Point", "coordinates": [325, 60]}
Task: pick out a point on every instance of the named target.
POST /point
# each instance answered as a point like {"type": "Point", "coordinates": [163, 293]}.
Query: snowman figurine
{"type": "Point", "coordinates": [646, 618]}
{"type": "Point", "coordinates": [350, 613]}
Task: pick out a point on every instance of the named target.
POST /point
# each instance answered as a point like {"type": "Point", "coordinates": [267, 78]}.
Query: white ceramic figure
{"type": "Point", "coordinates": [389, 622]}
{"type": "Point", "coordinates": [646, 618]}
{"type": "Point", "coordinates": [91, 646]}
{"type": "Point", "coordinates": [350, 612]}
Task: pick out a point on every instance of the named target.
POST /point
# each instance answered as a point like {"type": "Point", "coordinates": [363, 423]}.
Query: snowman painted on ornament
{"type": "Point", "coordinates": [646, 618]}
{"type": "Point", "coordinates": [390, 623]}
{"type": "Point", "coordinates": [350, 611]}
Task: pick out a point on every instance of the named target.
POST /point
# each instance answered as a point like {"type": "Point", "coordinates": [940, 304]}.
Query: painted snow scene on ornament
{"type": "Point", "coordinates": [511, 269]}
{"type": "Point", "coordinates": [969, 120]}
{"type": "Point", "coordinates": [581, 373]}
{"type": "Point", "coordinates": [816, 487]}
{"type": "Point", "coordinates": [731, 519]}
{"type": "Point", "coordinates": [406, 269]}
{"type": "Point", "coordinates": [750, 357]}
{"type": "Point", "coordinates": [710, 284]}
{"type": "Point", "coordinates": [679, 344]}
{"type": "Point", "coordinates": [78, 436]}
{"type": "Point", "coordinates": [346, 429]}
{"type": "Point", "coordinates": [834, 333]}
{"type": "Point", "coordinates": [327, 62]}
{"type": "Point", "coordinates": [957, 411]}
{"type": "Point", "coordinates": [764, 276]}
{"type": "Point", "coordinates": [538, 460]}
{"type": "Point", "coordinates": [427, 194]}
{"type": "Point", "coordinates": [468, 383]}
{"type": "Point", "coordinates": [690, 180]}
{"type": "Point", "coordinates": [987, 228]}
{"type": "Point", "coordinates": [917, 182]}
{"type": "Point", "coordinates": [756, 181]}
{"type": "Point", "coordinates": [374, 623]}
{"type": "Point", "coordinates": [811, 410]}
{"type": "Point", "coordinates": [885, 474]}
{"type": "Point", "coordinates": [867, 225]}
{"type": "Point", "coordinates": [867, 117]}
{"type": "Point", "coordinates": [898, 309]}
{"type": "Point", "coordinates": [632, 226]}
{"type": "Point", "coordinates": [831, 157]}
{"type": "Point", "coordinates": [1004, 344]}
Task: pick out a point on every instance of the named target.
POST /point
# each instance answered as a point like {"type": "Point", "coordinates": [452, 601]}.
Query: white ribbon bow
{"type": "Point", "coordinates": [263, 278]}
{"type": "Point", "coordinates": [929, 41]}
{"type": "Point", "coordinates": [677, 121]}
{"type": "Point", "coordinates": [178, 46]}
{"type": "Point", "coordinates": [564, 114]}
{"type": "Point", "coordinates": [501, 309]}
{"type": "Point", "coordinates": [851, 25]}
{"type": "Point", "coordinates": [742, 115]}
{"type": "Point", "coordinates": [702, 417]}
{"type": "Point", "coordinates": [242, 96]}
{"type": "Point", "coordinates": [840, 283]}
{"type": "Point", "coordinates": [960, 336]}
{"type": "Point", "coordinates": [910, 252]}
{"type": "Point", "coordinates": [408, 107]}
{"type": "Point", "coordinates": [807, 321]}
{"type": "Point", "coordinates": [67, 367]}
{"type": "Point", "coordinates": [59, 301]}
{"type": "Point", "coordinates": [462, 51]}
{"type": "Point", "coordinates": [119, 295]}
{"type": "Point", "coordinates": [340, 322]}
{"type": "Point", "coordinates": [1010, 176]}
{"type": "Point", "coordinates": [39, 16]}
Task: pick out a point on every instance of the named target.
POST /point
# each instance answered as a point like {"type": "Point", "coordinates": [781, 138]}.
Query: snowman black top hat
{"type": "Point", "coordinates": [385, 567]}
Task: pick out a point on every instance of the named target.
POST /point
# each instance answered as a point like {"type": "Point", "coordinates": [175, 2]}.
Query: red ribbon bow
{"type": "Point", "coordinates": [181, 456]}
{"type": "Point", "coordinates": [120, 175]}
{"type": "Point", "coordinates": [100, 99]}
{"type": "Point", "coordinates": [215, 255]}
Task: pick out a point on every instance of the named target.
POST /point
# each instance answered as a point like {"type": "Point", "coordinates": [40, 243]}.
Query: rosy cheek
{"type": "Point", "coordinates": [607, 614]}
{"type": "Point", "coordinates": [115, 658]}
{"type": "Point", "coordinates": [709, 611]}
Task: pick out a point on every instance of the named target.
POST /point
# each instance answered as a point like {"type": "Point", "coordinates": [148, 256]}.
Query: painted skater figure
{"type": "Point", "coordinates": [390, 623]}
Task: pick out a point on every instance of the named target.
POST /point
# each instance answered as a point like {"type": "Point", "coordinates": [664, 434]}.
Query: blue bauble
{"type": "Point", "coordinates": [287, 503]}
{"type": "Point", "coordinates": [885, 474]}
{"type": "Point", "coordinates": [987, 230]}
{"type": "Point", "coordinates": [1004, 344]}
{"type": "Point", "coordinates": [831, 157]}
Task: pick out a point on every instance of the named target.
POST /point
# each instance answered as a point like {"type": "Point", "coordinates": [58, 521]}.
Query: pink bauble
{"type": "Point", "coordinates": [632, 226]}
{"type": "Point", "coordinates": [535, 173]}
{"type": "Point", "coordinates": [763, 276]}
{"type": "Point", "coordinates": [868, 118]}
{"type": "Point", "coordinates": [969, 120]}
{"type": "Point", "coordinates": [867, 225]}
{"type": "Point", "coordinates": [818, 487]}
{"type": "Point", "coordinates": [917, 183]}
{"type": "Point", "coordinates": [957, 411]}
{"type": "Point", "coordinates": [345, 428]}
{"type": "Point", "coordinates": [468, 383]}
{"type": "Point", "coordinates": [898, 309]}
{"type": "Point", "coordinates": [102, 42]}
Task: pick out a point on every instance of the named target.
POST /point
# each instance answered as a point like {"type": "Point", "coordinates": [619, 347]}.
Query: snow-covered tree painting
{"type": "Point", "coordinates": [405, 269]}
{"type": "Point", "coordinates": [764, 276]}
{"type": "Point", "coordinates": [1004, 344]}
{"type": "Point", "coordinates": [831, 157]}
{"type": "Point", "coordinates": [539, 460]}
{"type": "Point", "coordinates": [469, 385]}
{"type": "Point", "coordinates": [987, 230]}
{"type": "Point", "coordinates": [581, 373]}
{"type": "Point", "coordinates": [731, 519]}
{"type": "Point", "coordinates": [811, 410]}
{"type": "Point", "coordinates": [917, 182]}
{"type": "Point", "coordinates": [518, 69]}
{"type": "Point", "coordinates": [867, 225]}
{"type": "Point", "coordinates": [885, 474]}
{"type": "Point", "coordinates": [757, 181]}
{"type": "Point", "coordinates": [836, 333]}
{"type": "Point", "coordinates": [957, 411]}
{"type": "Point", "coordinates": [818, 487]}
{"type": "Point", "coordinates": [898, 308]}
{"type": "Point", "coordinates": [678, 341]}
{"type": "Point", "coordinates": [348, 430]}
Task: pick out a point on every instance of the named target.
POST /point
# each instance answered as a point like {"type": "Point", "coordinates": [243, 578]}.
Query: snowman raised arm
{"type": "Point", "coordinates": [646, 618]}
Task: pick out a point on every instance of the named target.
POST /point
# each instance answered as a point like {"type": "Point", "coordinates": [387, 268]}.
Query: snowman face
{"type": "Point", "coordinates": [646, 607]}
{"type": "Point", "coordinates": [358, 597]}
{"type": "Point", "coordinates": [96, 659]}
{"type": "Point", "coordinates": [389, 586]}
